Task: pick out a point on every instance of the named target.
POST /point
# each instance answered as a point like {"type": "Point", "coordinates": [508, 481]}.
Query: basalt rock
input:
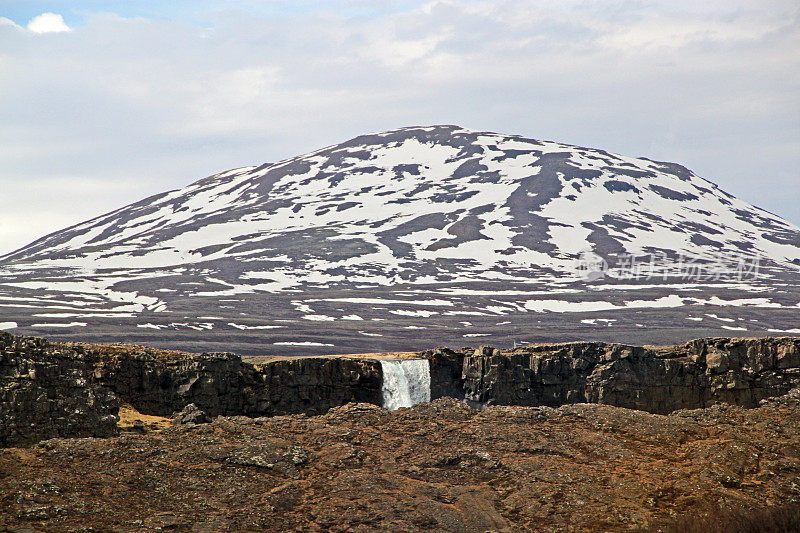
{"type": "Point", "coordinates": [222, 384]}
{"type": "Point", "coordinates": [50, 389]}
{"type": "Point", "coordinates": [163, 383]}
{"type": "Point", "coordinates": [314, 385]}
{"type": "Point", "coordinates": [446, 367]}
{"type": "Point", "coordinates": [69, 390]}
{"type": "Point", "coordinates": [191, 414]}
{"type": "Point", "coordinates": [45, 392]}
{"type": "Point", "coordinates": [659, 380]}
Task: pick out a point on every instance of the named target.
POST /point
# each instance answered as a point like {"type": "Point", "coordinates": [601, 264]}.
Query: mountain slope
{"type": "Point", "coordinates": [413, 207]}
{"type": "Point", "coordinates": [417, 195]}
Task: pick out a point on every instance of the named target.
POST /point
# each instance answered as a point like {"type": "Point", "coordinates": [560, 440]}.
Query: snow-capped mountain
{"type": "Point", "coordinates": [441, 216]}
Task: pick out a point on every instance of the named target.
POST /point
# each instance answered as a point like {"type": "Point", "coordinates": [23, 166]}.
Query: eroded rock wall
{"type": "Point", "coordinates": [74, 390]}
{"type": "Point", "coordinates": [315, 385]}
{"type": "Point", "coordinates": [658, 380]}
{"type": "Point", "coordinates": [222, 384]}
{"type": "Point", "coordinates": [50, 389]}
{"type": "Point", "coordinates": [45, 392]}
{"type": "Point", "coordinates": [446, 367]}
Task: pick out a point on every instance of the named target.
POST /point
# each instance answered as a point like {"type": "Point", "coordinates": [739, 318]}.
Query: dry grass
{"type": "Point", "coordinates": [782, 519]}
{"type": "Point", "coordinates": [128, 415]}
{"type": "Point", "coordinates": [122, 349]}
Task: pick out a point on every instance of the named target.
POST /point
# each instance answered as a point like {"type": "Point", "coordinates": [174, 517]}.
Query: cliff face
{"type": "Point", "coordinates": [45, 392]}
{"type": "Point", "coordinates": [49, 389]}
{"type": "Point", "coordinates": [222, 384]}
{"type": "Point", "coordinates": [657, 380]}
{"type": "Point", "coordinates": [63, 390]}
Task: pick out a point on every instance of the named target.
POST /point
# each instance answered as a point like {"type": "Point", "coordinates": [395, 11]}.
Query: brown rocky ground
{"type": "Point", "coordinates": [438, 467]}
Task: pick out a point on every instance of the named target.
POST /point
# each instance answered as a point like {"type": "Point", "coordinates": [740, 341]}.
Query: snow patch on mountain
{"type": "Point", "coordinates": [375, 209]}
{"type": "Point", "coordinates": [420, 224]}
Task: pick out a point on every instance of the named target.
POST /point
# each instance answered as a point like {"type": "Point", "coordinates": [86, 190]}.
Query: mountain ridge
{"type": "Point", "coordinates": [264, 172]}
{"type": "Point", "coordinates": [430, 217]}
{"type": "Point", "coordinates": [680, 168]}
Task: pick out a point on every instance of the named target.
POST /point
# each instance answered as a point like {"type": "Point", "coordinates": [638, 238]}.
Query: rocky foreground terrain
{"type": "Point", "coordinates": [551, 437]}
{"type": "Point", "coordinates": [440, 466]}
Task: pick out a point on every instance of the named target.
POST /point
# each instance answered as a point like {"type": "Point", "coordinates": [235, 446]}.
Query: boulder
{"type": "Point", "coordinates": [191, 414]}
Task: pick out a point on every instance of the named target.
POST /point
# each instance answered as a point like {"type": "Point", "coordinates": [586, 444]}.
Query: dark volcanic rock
{"type": "Point", "coordinates": [446, 373]}
{"type": "Point", "coordinates": [70, 390]}
{"type": "Point", "coordinates": [49, 389]}
{"type": "Point", "coordinates": [161, 383]}
{"type": "Point", "coordinates": [45, 393]}
{"type": "Point", "coordinates": [658, 380]}
{"type": "Point", "coordinates": [191, 414]}
{"type": "Point", "coordinates": [222, 384]}
{"type": "Point", "coordinates": [314, 385]}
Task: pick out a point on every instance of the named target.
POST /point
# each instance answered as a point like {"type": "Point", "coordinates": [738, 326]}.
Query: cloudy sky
{"type": "Point", "coordinates": [103, 103]}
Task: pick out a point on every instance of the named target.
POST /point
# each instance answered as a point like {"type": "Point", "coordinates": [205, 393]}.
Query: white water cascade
{"type": "Point", "coordinates": [406, 382]}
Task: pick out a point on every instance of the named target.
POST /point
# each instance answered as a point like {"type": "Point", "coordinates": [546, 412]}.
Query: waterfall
{"type": "Point", "coordinates": [406, 382]}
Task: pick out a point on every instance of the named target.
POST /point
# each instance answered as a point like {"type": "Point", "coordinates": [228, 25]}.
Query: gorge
{"type": "Point", "coordinates": [69, 389]}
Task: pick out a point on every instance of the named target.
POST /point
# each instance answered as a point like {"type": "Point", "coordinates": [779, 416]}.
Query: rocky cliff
{"type": "Point", "coordinates": [45, 392]}
{"type": "Point", "coordinates": [654, 379]}
{"type": "Point", "coordinates": [67, 390]}
{"type": "Point", "coordinates": [161, 383]}
{"type": "Point", "coordinates": [50, 389]}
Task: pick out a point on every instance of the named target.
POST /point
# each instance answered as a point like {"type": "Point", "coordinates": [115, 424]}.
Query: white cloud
{"type": "Point", "coordinates": [48, 23]}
